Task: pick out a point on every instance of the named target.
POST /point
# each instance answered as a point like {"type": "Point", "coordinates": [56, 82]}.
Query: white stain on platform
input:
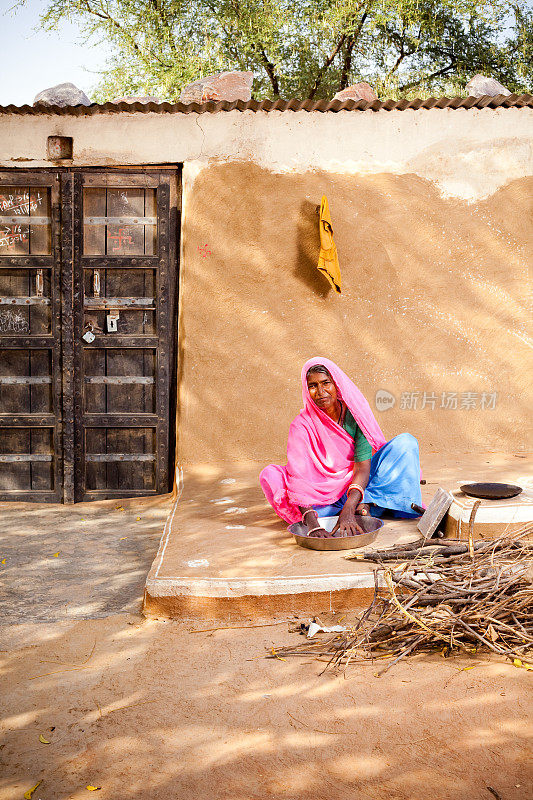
{"type": "Point", "coordinates": [235, 510]}
{"type": "Point", "coordinates": [228, 480]}
{"type": "Point", "coordinates": [235, 527]}
{"type": "Point", "coordinates": [197, 562]}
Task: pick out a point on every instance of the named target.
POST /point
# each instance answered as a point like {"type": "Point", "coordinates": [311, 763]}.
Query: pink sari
{"type": "Point", "coordinates": [319, 452]}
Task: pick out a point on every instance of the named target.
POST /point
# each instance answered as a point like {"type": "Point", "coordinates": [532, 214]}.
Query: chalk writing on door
{"type": "Point", "coordinates": [12, 321]}
{"type": "Point", "coordinates": [12, 234]}
{"type": "Point", "coordinates": [20, 204]}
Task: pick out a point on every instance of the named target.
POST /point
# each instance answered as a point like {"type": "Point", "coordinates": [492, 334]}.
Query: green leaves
{"type": "Point", "coordinates": [306, 48]}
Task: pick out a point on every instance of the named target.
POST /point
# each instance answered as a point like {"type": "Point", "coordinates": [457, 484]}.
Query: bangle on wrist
{"type": "Point", "coordinates": [356, 486]}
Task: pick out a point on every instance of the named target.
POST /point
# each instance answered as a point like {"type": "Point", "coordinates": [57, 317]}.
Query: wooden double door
{"type": "Point", "coordinates": [88, 299]}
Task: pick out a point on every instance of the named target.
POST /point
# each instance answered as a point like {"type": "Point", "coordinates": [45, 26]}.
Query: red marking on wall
{"type": "Point", "coordinates": [121, 238]}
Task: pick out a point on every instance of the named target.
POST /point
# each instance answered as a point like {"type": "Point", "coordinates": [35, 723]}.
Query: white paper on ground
{"type": "Point", "coordinates": [314, 628]}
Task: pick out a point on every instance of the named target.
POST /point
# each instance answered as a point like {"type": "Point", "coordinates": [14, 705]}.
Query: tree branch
{"type": "Point", "coordinates": [271, 72]}
{"type": "Point", "coordinates": [436, 74]}
{"type": "Point", "coordinates": [163, 23]}
{"type": "Point", "coordinates": [325, 66]}
{"type": "Point", "coordinates": [104, 15]}
{"type": "Point", "coordinates": [231, 49]}
{"type": "Point", "coordinates": [350, 44]}
{"type": "Point", "coordinates": [397, 63]}
{"type": "Point", "coordinates": [347, 63]}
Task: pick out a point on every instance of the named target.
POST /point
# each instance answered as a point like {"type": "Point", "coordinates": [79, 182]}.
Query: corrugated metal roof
{"type": "Point", "coordinates": [211, 107]}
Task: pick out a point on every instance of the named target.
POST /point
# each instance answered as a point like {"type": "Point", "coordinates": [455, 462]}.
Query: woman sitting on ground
{"type": "Point", "coordinates": [338, 461]}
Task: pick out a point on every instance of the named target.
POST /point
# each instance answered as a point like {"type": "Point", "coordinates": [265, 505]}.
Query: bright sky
{"type": "Point", "coordinates": [35, 60]}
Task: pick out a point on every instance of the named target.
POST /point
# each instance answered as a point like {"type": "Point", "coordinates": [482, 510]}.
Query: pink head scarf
{"type": "Point", "coordinates": [319, 452]}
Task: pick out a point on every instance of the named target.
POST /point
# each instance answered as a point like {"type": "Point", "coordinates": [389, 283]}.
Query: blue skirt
{"type": "Point", "coordinates": [394, 481]}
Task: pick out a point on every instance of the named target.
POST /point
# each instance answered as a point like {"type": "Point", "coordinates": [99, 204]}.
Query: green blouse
{"type": "Point", "coordinates": [362, 448]}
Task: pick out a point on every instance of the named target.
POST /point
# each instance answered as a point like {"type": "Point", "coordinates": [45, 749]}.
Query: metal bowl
{"type": "Point", "coordinates": [491, 491]}
{"type": "Point", "coordinates": [370, 525]}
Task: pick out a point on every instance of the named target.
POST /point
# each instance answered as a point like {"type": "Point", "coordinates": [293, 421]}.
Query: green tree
{"type": "Point", "coordinates": [306, 48]}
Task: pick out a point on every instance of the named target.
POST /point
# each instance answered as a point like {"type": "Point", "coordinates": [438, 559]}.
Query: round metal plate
{"type": "Point", "coordinates": [491, 491]}
{"type": "Point", "coordinates": [370, 525]}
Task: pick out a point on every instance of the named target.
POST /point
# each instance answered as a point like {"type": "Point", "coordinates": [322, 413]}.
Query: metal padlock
{"type": "Point", "coordinates": [88, 337]}
{"type": "Point", "coordinates": [112, 321]}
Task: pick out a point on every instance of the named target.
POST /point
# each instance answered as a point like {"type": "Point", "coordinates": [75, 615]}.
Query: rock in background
{"type": "Point", "coordinates": [480, 85]}
{"type": "Point", "coordinates": [224, 86]}
{"type": "Point", "coordinates": [359, 91]}
{"type": "Point", "coordinates": [64, 94]}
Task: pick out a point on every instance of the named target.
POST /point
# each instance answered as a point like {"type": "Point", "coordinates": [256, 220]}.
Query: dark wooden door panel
{"type": "Point", "coordinates": [121, 344]}
{"type": "Point", "coordinates": [30, 337]}
{"type": "Point", "coordinates": [88, 276]}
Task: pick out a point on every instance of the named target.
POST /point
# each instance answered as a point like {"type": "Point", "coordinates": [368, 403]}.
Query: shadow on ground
{"type": "Point", "coordinates": [152, 710]}
{"type": "Point", "coordinates": [76, 562]}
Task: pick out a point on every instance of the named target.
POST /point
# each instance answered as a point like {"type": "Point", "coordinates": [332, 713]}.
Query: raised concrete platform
{"type": "Point", "coordinates": [492, 519]}
{"type": "Point", "coordinates": [224, 553]}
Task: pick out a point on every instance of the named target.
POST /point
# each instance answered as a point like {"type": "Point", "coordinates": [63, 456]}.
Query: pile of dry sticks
{"type": "Point", "coordinates": [448, 596]}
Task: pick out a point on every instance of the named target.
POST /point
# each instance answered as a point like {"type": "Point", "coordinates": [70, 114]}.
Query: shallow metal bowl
{"type": "Point", "coordinates": [370, 525]}
{"type": "Point", "coordinates": [491, 491]}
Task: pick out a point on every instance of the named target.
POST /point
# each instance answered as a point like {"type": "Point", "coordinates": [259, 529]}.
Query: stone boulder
{"type": "Point", "coordinates": [480, 85]}
{"type": "Point", "coordinates": [359, 91]}
{"type": "Point", "coordinates": [64, 94]}
{"type": "Point", "coordinates": [224, 86]}
{"type": "Point", "coordinates": [147, 98]}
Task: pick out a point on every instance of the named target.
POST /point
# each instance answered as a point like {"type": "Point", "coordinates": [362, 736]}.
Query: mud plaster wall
{"type": "Point", "coordinates": [434, 300]}
{"type": "Point", "coordinates": [433, 220]}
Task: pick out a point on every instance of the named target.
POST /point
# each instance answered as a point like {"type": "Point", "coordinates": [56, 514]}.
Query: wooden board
{"type": "Point", "coordinates": [434, 513]}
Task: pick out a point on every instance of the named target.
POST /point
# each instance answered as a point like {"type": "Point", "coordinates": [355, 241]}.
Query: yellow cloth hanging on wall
{"type": "Point", "coordinates": [328, 260]}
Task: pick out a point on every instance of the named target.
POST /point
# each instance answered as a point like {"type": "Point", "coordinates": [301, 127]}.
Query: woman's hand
{"type": "Point", "coordinates": [347, 522]}
{"type": "Point", "coordinates": [310, 519]}
{"type": "Point", "coordinates": [321, 533]}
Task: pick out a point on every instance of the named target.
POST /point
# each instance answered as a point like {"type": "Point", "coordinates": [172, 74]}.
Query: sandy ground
{"type": "Point", "coordinates": [150, 709]}
{"type": "Point", "coordinates": [155, 709]}
{"type": "Point", "coordinates": [61, 562]}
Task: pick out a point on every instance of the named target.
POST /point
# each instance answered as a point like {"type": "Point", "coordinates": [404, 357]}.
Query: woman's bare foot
{"type": "Point", "coordinates": [363, 509]}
